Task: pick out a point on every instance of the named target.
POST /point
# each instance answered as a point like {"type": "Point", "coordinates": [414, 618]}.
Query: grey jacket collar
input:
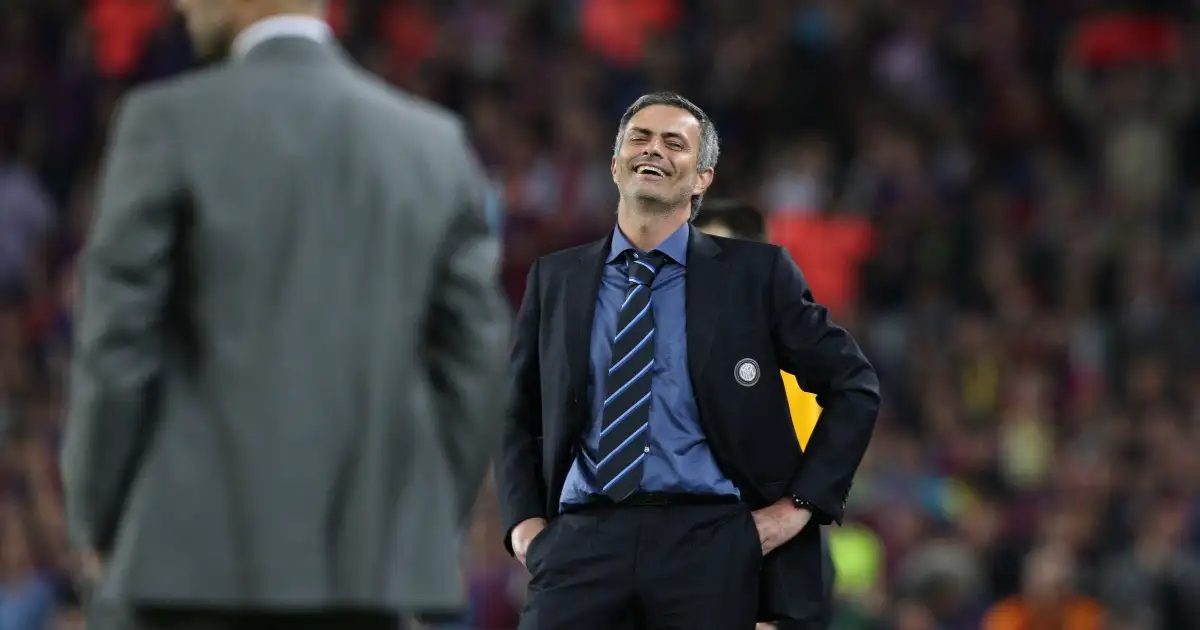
{"type": "Point", "coordinates": [280, 26]}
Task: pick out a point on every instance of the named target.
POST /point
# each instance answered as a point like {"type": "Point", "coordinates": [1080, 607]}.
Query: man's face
{"type": "Point", "coordinates": [210, 25]}
{"type": "Point", "coordinates": [658, 156]}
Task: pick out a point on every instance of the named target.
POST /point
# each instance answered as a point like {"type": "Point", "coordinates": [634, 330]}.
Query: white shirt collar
{"type": "Point", "coordinates": [280, 26]}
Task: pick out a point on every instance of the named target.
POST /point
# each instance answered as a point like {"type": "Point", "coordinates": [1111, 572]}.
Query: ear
{"type": "Point", "coordinates": [612, 167]}
{"type": "Point", "coordinates": [704, 179]}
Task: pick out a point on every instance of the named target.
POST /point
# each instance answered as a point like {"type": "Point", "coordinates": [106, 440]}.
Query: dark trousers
{"type": "Point", "coordinates": [828, 576]}
{"type": "Point", "coordinates": [679, 567]}
{"type": "Point", "coordinates": [820, 624]}
{"type": "Point", "coordinates": [143, 618]}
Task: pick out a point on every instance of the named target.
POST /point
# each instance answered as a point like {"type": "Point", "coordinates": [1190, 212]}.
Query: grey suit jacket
{"type": "Point", "coordinates": [290, 347]}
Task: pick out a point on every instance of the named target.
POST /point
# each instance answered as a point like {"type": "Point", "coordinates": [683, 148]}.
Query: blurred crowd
{"type": "Point", "coordinates": [1026, 172]}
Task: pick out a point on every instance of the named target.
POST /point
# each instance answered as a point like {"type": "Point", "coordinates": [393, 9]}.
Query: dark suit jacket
{"type": "Point", "coordinates": [744, 300]}
{"type": "Point", "coordinates": [290, 339]}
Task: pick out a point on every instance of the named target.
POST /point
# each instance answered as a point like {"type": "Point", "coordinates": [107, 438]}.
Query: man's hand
{"type": "Point", "coordinates": [91, 565]}
{"type": "Point", "coordinates": [523, 534]}
{"type": "Point", "coordinates": [778, 523]}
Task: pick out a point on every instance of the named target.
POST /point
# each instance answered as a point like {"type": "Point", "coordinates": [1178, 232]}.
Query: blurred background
{"type": "Point", "coordinates": [998, 197]}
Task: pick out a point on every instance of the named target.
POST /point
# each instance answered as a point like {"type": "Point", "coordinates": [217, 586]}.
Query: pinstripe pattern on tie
{"type": "Point", "coordinates": [626, 412]}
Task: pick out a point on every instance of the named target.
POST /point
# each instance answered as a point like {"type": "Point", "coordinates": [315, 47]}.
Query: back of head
{"type": "Point", "coordinates": [214, 24]}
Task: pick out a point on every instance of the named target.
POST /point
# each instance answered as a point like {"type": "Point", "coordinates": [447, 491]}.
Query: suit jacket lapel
{"type": "Point", "coordinates": [707, 297]}
{"type": "Point", "coordinates": [582, 287]}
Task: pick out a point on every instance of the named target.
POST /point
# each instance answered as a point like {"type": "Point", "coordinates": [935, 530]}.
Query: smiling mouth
{"type": "Point", "coordinates": [649, 172]}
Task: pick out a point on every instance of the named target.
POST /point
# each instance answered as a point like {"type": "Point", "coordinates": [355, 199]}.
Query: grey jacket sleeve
{"type": "Point", "coordinates": [126, 275]}
{"type": "Point", "coordinates": [468, 331]}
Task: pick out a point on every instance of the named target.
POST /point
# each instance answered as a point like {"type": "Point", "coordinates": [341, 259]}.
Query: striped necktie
{"type": "Point", "coordinates": [626, 414]}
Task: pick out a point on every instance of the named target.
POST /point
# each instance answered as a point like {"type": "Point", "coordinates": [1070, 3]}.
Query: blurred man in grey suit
{"type": "Point", "coordinates": [290, 342]}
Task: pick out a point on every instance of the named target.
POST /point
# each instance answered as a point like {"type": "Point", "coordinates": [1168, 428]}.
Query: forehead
{"type": "Point", "coordinates": [664, 119]}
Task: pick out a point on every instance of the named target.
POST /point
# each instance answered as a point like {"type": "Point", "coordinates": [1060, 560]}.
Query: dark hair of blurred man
{"type": "Point", "coordinates": [731, 219]}
{"type": "Point", "coordinates": [290, 339]}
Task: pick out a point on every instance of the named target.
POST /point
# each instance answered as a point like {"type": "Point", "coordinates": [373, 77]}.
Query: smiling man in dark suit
{"type": "Point", "coordinates": [650, 476]}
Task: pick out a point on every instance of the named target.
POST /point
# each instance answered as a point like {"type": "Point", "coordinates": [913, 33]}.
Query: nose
{"type": "Point", "coordinates": [653, 147]}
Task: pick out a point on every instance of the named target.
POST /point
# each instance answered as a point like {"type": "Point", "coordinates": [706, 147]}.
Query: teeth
{"type": "Point", "coordinates": [650, 169]}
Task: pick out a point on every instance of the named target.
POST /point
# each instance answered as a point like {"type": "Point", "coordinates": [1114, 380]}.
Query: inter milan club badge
{"type": "Point", "coordinates": [746, 372]}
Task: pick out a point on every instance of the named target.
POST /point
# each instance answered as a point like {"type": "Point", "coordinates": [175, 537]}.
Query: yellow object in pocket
{"type": "Point", "coordinates": [804, 409]}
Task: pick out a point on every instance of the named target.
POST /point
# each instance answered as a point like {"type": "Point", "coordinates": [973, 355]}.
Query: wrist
{"type": "Point", "coordinates": [796, 511]}
{"type": "Point", "coordinates": [801, 504]}
{"type": "Point", "coordinates": [537, 519]}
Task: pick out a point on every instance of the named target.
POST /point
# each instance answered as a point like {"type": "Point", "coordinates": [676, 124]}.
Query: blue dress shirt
{"type": "Point", "coordinates": [678, 458]}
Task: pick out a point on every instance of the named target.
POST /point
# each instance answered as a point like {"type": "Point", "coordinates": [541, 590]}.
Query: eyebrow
{"type": "Point", "coordinates": [647, 132]}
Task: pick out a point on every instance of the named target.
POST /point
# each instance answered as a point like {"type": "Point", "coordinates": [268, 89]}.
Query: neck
{"type": "Point", "coordinates": [647, 228]}
{"type": "Point", "coordinates": [282, 8]}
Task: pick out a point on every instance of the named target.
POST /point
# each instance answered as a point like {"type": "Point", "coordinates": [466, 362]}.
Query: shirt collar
{"type": "Point", "coordinates": [675, 247]}
{"type": "Point", "coordinates": [281, 26]}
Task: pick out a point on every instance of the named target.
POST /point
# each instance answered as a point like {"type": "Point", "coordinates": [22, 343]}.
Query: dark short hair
{"type": "Point", "coordinates": [742, 219]}
{"type": "Point", "coordinates": [710, 143]}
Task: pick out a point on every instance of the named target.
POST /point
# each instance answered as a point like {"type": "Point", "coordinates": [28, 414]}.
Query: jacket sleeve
{"type": "Point", "coordinates": [519, 473]}
{"type": "Point", "coordinates": [467, 330]}
{"type": "Point", "coordinates": [828, 363]}
{"type": "Point", "coordinates": [126, 275]}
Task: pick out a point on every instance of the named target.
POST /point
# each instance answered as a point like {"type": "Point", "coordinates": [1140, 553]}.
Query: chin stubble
{"type": "Point", "coordinates": [653, 203]}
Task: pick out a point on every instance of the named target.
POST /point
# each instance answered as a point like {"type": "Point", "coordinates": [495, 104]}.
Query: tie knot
{"type": "Point", "coordinates": [643, 267]}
